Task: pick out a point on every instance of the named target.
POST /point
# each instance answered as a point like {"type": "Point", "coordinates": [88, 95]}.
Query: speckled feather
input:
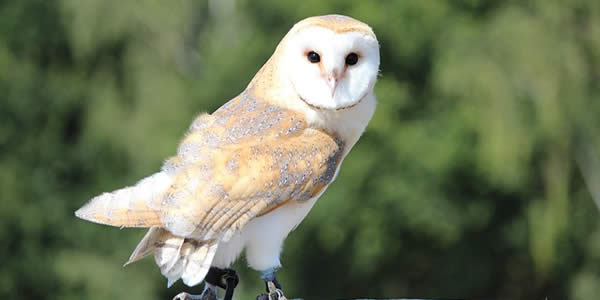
{"type": "Point", "coordinates": [242, 161]}
{"type": "Point", "coordinates": [250, 157]}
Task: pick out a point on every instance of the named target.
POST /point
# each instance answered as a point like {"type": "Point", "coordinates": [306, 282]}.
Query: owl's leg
{"type": "Point", "coordinates": [209, 293]}
{"type": "Point", "coordinates": [226, 279]}
{"type": "Point", "coordinates": [273, 287]}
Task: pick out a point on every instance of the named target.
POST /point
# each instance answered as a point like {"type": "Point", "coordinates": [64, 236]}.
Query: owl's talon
{"type": "Point", "coordinates": [262, 296]}
{"type": "Point", "coordinates": [183, 296]}
{"type": "Point", "coordinates": [275, 292]}
{"type": "Point", "coordinates": [208, 294]}
{"type": "Point", "coordinates": [276, 295]}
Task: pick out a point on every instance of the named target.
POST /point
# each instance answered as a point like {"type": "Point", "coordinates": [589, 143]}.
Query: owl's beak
{"type": "Point", "coordinates": [332, 81]}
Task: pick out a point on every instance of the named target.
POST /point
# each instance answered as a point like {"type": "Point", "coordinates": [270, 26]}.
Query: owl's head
{"type": "Point", "coordinates": [331, 61]}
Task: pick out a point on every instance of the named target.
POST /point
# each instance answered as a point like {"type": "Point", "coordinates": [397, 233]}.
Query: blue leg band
{"type": "Point", "coordinates": [268, 274]}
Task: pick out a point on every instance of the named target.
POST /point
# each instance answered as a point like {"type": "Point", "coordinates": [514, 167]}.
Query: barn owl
{"type": "Point", "coordinates": [246, 175]}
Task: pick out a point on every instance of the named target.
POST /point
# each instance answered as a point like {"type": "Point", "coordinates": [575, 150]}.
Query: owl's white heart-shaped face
{"type": "Point", "coordinates": [331, 69]}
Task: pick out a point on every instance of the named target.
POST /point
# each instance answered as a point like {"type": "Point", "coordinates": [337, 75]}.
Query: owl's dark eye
{"type": "Point", "coordinates": [313, 57]}
{"type": "Point", "coordinates": [351, 59]}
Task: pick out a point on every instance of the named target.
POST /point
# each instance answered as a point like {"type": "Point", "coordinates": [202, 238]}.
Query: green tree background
{"type": "Point", "coordinates": [468, 183]}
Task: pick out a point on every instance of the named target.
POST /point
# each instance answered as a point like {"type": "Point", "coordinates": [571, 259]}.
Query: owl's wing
{"type": "Point", "coordinates": [247, 180]}
{"type": "Point", "coordinates": [238, 163]}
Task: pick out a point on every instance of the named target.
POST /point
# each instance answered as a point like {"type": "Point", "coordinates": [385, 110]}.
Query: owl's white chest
{"type": "Point", "coordinates": [263, 237]}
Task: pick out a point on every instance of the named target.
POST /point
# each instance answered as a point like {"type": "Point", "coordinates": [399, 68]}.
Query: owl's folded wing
{"type": "Point", "coordinates": [216, 196]}
{"type": "Point", "coordinates": [249, 180]}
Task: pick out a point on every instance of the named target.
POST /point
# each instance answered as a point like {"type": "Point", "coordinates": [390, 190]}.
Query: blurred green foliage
{"type": "Point", "coordinates": [465, 185]}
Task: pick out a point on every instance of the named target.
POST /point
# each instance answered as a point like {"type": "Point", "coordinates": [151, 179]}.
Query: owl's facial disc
{"type": "Point", "coordinates": [330, 70]}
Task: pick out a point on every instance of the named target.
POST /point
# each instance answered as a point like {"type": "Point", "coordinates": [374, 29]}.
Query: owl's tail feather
{"type": "Point", "coordinates": [135, 206]}
{"type": "Point", "coordinates": [177, 257]}
{"type": "Point", "coordinates": [153, 238]}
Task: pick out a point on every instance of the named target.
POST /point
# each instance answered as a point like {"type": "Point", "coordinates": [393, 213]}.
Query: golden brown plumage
{"type": "Point", "coordinates": [238, 163]}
